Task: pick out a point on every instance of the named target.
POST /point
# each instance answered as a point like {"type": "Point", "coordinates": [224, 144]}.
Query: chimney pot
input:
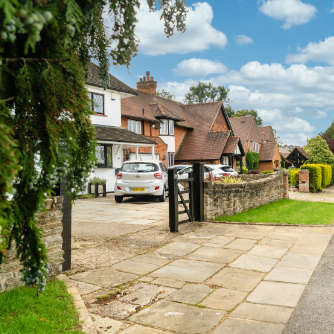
{"type": "Point", "coordinates": [146, 84]}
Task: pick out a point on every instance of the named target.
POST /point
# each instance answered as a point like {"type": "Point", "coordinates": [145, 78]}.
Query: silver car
{"type": "Point", "coordinates": [139, 178]}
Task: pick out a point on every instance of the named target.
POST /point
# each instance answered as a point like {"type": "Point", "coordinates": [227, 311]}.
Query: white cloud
{"type": "Point", "coordinates": [332, 10]}
{"type": "Point", "coordinates": [319, 52]}
{"type": "Point", "coordinates": [199, 35]}
{"type": "Point", "coordinates": [321, 114]}
{"type": "Point", "coordinates": [199, 67]}
{"type": "Point", "coordinates": [291, 12]}
{"type": "Point", "coordinates": [243, 40]}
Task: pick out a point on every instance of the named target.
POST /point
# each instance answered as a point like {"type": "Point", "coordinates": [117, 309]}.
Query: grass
{"type": "Point", "coordinates": [287, 211]}
{"type": "Point", "coordinates": [22, 311]}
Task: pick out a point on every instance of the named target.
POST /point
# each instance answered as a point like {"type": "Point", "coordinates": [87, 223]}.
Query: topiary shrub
{"type": "Point", "coordinates": [326, 171]}
{"type": "Point", "coordinates": [332, 181]}
{"type": "Point", "coordinates": [315, 176]}
{"type": "Point", "coordinates": [294, 177]}
{"type": "Point", "coordinates": [252, 160]}
{"type": "Point", "coordinates": [267, 171]}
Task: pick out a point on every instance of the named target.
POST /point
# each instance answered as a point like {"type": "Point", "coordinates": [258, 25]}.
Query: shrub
{"type": "Point", "coordinates": [230, 179]}
{"type": "Point", "coordinates": [267, 171]}
{"type": "Point", "coordinates": [97, 180]}
{"type": "Point", "coordinates": [332, 181]}
{"type": "Point", "coordinates": [244, 170]}
{"type": "Point", "coordinates": [326, 173]}
{"type": "Point", "coordinates": [294, 176]}
{"type": "Point", "coordinates": [315, 176]}
{"type": "Point", "coordinates": [252, 160]}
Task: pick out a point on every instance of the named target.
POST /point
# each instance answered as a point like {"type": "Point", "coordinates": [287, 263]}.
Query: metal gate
{"type": "Point", "coordinates": [186, 197]}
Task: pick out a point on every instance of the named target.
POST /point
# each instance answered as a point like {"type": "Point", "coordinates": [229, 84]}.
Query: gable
{"type": "Point", "coordinates": [219, 123]}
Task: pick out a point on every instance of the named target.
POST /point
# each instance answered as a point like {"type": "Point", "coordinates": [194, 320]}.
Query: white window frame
{"type": "Point", "coordinates": [166, 127]}
{"type": "Point", "coordinates": [134, 126]}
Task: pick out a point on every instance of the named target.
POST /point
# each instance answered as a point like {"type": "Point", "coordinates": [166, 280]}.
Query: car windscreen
{"type": "Point", "coordinates": [140, 167]}
{"type": "Point", "coordinates": [185, 170]}
{"type": "Point", "coordinates": [227, 169]}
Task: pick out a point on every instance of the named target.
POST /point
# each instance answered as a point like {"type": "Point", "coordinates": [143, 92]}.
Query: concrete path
{"type": "Point", "coordinates": [208, 278]}
{"type": "Point", "coordinates": [327, 195]}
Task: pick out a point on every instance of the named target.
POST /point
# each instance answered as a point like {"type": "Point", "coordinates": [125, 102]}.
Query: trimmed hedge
{"type": "Point", "coordinates": [326, 171]}
{"type": "Point", "coordinates": [267, 171]}
{"type": "Point", "coordinates": [315, 176]}
{"type": "Point", "coordinates": [294, 177]}
{"type": "Point", "coordinates": [252, 160]}
{"type": "Point", "coordinates": [332, 181]}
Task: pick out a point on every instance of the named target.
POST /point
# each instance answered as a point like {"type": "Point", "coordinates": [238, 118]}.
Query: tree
{"type": "Point", "coordinates": [45, 128]}
{"type": "Point", "coordinates": [319, 152]}
{"type": "Point", "coordinates": [246, 112]}
{"type": "Point", "coordinates": [329, 133]}
{"type": "Point", "coordinates": [230, 112]}
{"type": "Point", "coordinates": [165, 94]}
{"type": "Point", "coordinates": [205, 92]}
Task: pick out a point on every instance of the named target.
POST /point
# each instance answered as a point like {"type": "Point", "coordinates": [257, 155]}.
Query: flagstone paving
{"type": "Point", "coordinates": [208, 278]}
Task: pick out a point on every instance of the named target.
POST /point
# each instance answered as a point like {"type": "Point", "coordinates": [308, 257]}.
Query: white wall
{"type": "Point", "coordinates": [112, 107]}
{"type": "Point", "coordinates": [170, 141]}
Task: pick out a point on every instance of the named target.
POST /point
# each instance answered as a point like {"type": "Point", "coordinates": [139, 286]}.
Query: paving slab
{"type": "Point", "coordinates": [237, 326]}
{"type": "Point", "coordinates": [224, 299]}
{"type": "Point", "coordinates": [188, 270]}
{"type": "Point", "coordinates": [106, 278]}
{"type": "Point", "coordinates": [107, 325]}
{"type": "Point", "coordinates": [276, 293]}
{"type": "Point", "coordinates": [137, 329]}
{"type": "Point", "coordinates": [178, 248]}
{"type": "Point", "coordinates": [267, 241]}
{"type": "Point", "coordinates": [115, 309]}
{"type": "Point", "coordinates": [151, 258]}
{"type": "Point", "coordinates": [173, 283]}
{"type": "Point", "coordinates": [190, 294]}
{"type": "Point", "coordinates": [252, 262]}
{"type": "Point", "coordinates": [241, 244]}
{"type": "Point", "coordinates": [85, 288]}
{"type": "Point", "coordinates": [178, 317]}
{"type": "Point", "coordinates": [268, 251]}
{"type": "Point", "coordinates": [236, 279]}
{"type": "Point", "coordinates": [283, 273]}
{"type": "Point", "coordinates": [266, 313]}
{"type": "Point", "coordinates": [214, 254]}
{"type": "Point", "coordinates": [300, 261]}
{"type": "Point", "coordinates": [135, 267]}
{"type": "Point", "coordinates": [219, 241]}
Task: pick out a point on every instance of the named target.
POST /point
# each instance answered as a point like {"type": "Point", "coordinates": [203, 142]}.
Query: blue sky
{"type": "Point", "coordinates": [275, 56]}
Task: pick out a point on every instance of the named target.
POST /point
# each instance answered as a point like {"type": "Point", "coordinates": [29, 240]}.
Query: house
{"type": "Point", "coordinates": [259, 139]}
{"type": "Point", "coordinates": [112, 139]}
{"type": "Point", "coordinates": [183, 133]}
{"type": "Point", "coordinates": [297, 157]}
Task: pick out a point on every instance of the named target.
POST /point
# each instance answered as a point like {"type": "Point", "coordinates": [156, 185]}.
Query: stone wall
{"type": "Point", "coordinates": [50, 222]}
{"type": "Point", "coordinates": [229, 199]}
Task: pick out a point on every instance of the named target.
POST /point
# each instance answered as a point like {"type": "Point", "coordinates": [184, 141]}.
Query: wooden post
{"type": "Point", "coordinates": [67, 225]}
{"type": "Point", "coordinates": [173, 201]}
{"type": "Point", "coordinates": [96, 190]}
{"type": "Point", "coordinates": [198, 191]}
{"type": "Point", "coordinates": [104, 190]}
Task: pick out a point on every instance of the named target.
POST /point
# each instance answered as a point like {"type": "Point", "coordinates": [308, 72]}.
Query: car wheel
{"type": "Point", "coordinates": [118, 199]}
{"type": "Point", "coordinates": [162, 198]}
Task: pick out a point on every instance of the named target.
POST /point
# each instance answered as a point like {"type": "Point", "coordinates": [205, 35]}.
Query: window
{"type": "Point", "coordinates": [139, 167]}
{"type": "Point", "coordinates": [104, 156]}
{"type": "Point", "coordinates": [134, 126]}
{"type": "Point", "coordinates": [170, 159]}
{"type": "Point", "coordinates": [166, 127]}
{"type": "Point", "coordinates": [255, 147]}
{"type": "Point", "coordinates": [97, 102]}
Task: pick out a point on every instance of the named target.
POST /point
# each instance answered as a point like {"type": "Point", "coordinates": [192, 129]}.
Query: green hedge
{"type": "Point", "coordinates": [315, 176]}
{"type": "Point", "coordinates": [244, 170]}
{"type": "Point", "coordinates": [326, 171]}
{"type": "Point", "coordinates": [332, 181]}
{"type": "Point", "coordinates": [252, 160]}
{"type": "Point", "coordinates": [294, 176]}
{"type": "Point", "coordinates": [267, 171]}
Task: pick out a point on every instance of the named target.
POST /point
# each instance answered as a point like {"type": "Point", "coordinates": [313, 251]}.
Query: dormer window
{"type": "Point", "coordinates": [134, 126]}
{"type": "Point", "coordinates": [166, 127]}
{"type": "Point", "coordinates": [97, 102]}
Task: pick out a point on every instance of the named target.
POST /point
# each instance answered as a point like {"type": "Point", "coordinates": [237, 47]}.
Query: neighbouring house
{"type": "Point", "coordinates": [259, 139]}
{"type": "Point", "coordinates": [183, 133]}
{"type": "Point", "coordinates": [298, 157]}
{"type": "Point", "coordinates": [112, 139]}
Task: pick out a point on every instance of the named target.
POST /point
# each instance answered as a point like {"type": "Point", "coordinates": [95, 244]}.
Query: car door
{"type": "Point", "coordinates": [164, 173]}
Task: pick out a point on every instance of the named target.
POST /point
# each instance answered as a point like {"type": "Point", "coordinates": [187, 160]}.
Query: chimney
{"type": "Point", "coordinates": [147, 84]}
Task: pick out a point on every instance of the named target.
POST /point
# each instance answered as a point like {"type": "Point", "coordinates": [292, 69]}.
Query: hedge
{"type": "Point", "coordinates": [267, 171]}
{"type": "Point", "coordinates": [244, 170]}
{"type": "Point", "coordinates": [294, 176]}
{"type": "Point", "coordinates": [326, 171]}
{"type": "Point", "coordinates": [332, 182]}
{"type": "Point", "coordinates": [315, 176]}
{"type": "Point", "coordinates": [252, 160]}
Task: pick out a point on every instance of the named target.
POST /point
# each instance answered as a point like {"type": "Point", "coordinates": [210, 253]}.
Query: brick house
{"type": "Point", "coordinates": [183, 133]}
{"type": "Point", "coordinates": [259, 139]}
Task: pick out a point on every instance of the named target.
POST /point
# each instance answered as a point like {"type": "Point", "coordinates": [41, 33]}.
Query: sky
{"type": "Point", "coordinates": [275, 56]}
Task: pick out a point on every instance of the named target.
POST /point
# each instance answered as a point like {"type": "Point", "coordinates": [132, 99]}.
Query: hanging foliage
{"type": "Point", "coordinates": [45, 131]}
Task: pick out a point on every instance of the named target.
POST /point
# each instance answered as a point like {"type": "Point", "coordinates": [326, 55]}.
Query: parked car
{"type": "Point", "coordinates": [208, 169]}
{"type": "Point", "coordinates": [179, 167]}
{"type": "Point", "coordinates": [139, 178]}
{"type": "Point", "coordinates": [226, 169]}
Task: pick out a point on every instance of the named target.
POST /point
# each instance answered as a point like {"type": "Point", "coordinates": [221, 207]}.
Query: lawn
{"type": "Point", "coordinates": [287, 211]}
{"type": "Point", "coordinates": [22, 311]}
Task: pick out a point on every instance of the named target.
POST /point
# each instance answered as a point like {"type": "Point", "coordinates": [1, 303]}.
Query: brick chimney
{"type": "Point", "coordinates": [147, 84]}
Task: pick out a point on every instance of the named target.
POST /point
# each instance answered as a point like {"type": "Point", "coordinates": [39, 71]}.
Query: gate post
{"type": "Point", "coordinates": [173, 201]}
{"type": "Point", "coordinates": [67, 225]}
{"type": "Point", "coordinates": [198, 191]}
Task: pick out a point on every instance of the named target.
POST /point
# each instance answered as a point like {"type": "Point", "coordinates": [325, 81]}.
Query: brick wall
{"type": "Point", "coordinates": [50, 222]}
{"type": "Point", "coordinates": [229, 199]}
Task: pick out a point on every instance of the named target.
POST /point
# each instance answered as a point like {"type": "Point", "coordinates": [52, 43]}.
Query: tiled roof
{"type": "Point", "coordinates": [267, 151]}
{"type": "Point", "coordinates": [113, 133]}
{"type": "Point", "coordinates": [301, 151]}
{"type": "Point", "coordinates": [245, 127]}
{"type": "Point", "coordinates": [231, 145]}
{"type": "Point", "coordinates": [114, 84]}
{"type": "Point", "coordinates": [266, 133]}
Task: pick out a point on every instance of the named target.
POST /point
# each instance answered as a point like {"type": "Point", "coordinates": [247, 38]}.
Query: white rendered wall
{"type": "Point", "coordinates": [170, 141]}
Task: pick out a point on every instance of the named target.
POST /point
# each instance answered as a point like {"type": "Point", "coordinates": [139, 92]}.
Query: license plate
{"type": "Point", "coordinates": [137, 189]}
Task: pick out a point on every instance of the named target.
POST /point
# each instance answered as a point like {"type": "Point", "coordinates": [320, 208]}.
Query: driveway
{"type": "Point", "coordinates": [208, 278]}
